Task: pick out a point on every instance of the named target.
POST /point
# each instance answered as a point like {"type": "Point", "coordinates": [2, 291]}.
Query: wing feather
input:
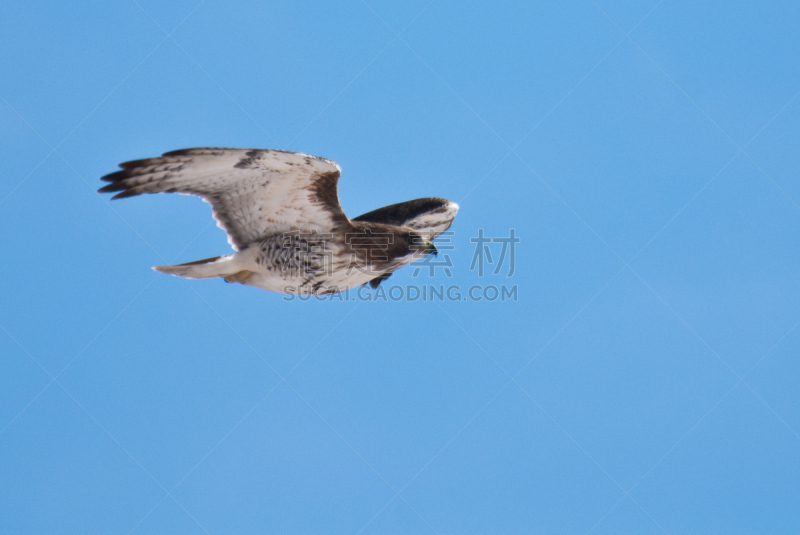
{"type": "Point", "coordinates": [253, 192]}
{"type": "Point", "coordinates": [430, 216]}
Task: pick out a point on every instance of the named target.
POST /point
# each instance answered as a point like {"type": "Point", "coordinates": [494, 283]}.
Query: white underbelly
{"type": "Point", "coordinates": [337, 274]}
{"type": "Point", "coordinates": [335, 281]}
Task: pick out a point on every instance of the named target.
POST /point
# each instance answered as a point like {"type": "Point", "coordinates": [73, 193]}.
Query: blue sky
{"type": "Point", "coordinates": [644, 381]}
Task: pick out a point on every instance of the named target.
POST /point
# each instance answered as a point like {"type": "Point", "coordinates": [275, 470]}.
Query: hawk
{"type": "Point", "coordinates": [282, 215]}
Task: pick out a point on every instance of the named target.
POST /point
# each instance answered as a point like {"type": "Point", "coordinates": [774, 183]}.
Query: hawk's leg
{"type": "Point", "coordinates": [240, 277]}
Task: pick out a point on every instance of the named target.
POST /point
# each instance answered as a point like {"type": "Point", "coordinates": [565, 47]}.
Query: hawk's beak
{"type": "Point", "coordinates": [431, 249]}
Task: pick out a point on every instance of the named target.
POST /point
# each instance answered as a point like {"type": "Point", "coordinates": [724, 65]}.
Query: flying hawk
{"type": "Point", "coordinates": [282, 215]}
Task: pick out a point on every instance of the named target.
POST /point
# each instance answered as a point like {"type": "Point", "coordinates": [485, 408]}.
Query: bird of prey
{"type": "Point", "coordinates": [282, 215]}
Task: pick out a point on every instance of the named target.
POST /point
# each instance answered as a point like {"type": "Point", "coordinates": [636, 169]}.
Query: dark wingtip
{"type": "Point", "coordinates": [114, 186]}
{"type": "Point", "coordinates": [113, 177]}
{"type": "Point", "coordinates": [116, 183]}
{"type": "Point", "coordinates": [139, 163]}
{"type": "Point", "coordinates": [124, 194]}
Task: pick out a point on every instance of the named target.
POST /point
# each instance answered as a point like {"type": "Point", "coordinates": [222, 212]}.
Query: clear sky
{"type": "Point", "coordinates": [644, 381]}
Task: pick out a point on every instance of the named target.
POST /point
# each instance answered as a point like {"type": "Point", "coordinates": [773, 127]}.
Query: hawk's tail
{"type": "Point", "coordinates": [218, 266]}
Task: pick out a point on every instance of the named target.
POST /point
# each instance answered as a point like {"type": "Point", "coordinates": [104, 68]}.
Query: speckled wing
{"type": "Point", "coordinates": [430, 216]}
{"type": "Point", "coordinates": [254, 192]}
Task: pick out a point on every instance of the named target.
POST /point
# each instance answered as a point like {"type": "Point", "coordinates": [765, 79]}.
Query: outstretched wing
{"type": "Point", "coordinates": [430, 216]}
{"type": "Point", "coordinates": [254, 192]}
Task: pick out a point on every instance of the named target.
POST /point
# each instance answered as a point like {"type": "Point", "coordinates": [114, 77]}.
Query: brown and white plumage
{"type": "Point", "coordinates": [261, 197]}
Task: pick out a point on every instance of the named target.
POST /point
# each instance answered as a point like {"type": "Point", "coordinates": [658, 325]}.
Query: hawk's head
{"type": "Point", "coordinates": [419, 245]}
